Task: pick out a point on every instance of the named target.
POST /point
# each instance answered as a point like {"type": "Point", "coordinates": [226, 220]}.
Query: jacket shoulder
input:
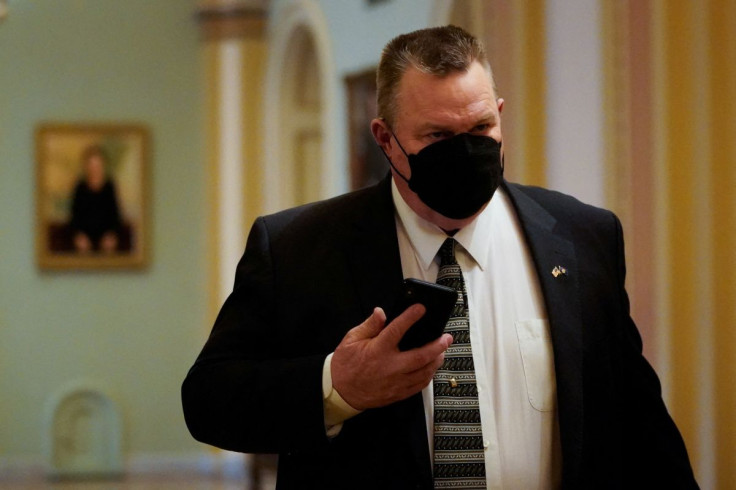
{"type": "Point", "coordinates": [563, 207]}
{"type": "Point", "coordinates": [331, 215]}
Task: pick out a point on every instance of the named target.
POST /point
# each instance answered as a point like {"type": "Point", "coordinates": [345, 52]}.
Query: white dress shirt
{"type": "Point", "coordinates": [509, 334]}
{"type": "Point", "coordinates": [510, 338]}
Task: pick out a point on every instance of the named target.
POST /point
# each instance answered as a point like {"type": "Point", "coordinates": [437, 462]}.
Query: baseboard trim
{"type": "Point", "coordinates": [210, 463]}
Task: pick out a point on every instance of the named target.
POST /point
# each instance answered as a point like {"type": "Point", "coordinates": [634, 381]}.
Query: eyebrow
{"type": "Point", "coordinates": [433, 126]}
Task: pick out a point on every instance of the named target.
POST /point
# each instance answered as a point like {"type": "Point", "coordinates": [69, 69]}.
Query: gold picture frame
{"type": "Point", "coordinates": [91, 196]}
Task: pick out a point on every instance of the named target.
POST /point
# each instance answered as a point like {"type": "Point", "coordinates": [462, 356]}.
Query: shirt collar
{"type": "Point", "coordinates": [427, 238]}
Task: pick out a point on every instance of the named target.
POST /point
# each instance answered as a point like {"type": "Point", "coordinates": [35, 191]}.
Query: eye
{"type": "Point", "coordinates": [481, 128]}
{"type": "Point", "coordinates": [439, 135]}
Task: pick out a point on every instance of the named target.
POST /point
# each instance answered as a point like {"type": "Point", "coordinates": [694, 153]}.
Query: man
{"type": "Point", "coordinates": [540, 382]}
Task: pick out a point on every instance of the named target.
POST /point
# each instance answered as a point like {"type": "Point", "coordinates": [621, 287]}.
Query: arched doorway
{"type": "Point", "coordinates": [300, 122]}
{"type": "Point", "coordinates": [299, 109]}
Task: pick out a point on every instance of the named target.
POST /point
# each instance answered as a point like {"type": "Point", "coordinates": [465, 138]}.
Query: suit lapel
{"type": "Point", "coordinates": [374, 258]}
{"type": "Point", "coordinates": [560, 288]}
{"type": "Point", "coordinates": [375, 263]}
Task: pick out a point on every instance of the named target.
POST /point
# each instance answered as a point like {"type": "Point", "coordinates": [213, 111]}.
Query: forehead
{"type": "Point", "coordinates": [456, 98]}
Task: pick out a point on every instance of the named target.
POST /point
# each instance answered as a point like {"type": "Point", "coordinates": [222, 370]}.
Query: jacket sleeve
{"type": "Point", "coordinates": [243, 394]}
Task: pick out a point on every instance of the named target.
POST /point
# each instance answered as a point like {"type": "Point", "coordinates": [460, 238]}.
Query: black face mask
{"type": "Point", "coordinates": [455, 176]}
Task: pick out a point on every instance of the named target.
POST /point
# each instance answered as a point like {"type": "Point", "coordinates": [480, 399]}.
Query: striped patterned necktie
{"type": "Point", "coordinates": [458, 440]}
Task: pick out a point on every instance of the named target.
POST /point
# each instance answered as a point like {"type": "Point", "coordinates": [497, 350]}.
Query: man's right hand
{"type": "Point", "coordinates": [368, 369]}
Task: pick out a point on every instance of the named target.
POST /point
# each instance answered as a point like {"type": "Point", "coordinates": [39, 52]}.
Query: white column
{"type": "Point", "coordinates": [705, 233]}
{"type": "Point", "coordinates": [230, 165]}
{"type": "Point", "coordinates": [575, 119]}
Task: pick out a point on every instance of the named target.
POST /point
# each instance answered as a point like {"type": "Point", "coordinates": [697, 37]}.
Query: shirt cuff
{"type": "Point", "coordinates": [336, 409]}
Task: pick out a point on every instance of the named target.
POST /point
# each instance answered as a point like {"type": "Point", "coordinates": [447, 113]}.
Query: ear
{"type": "Point", "coordinates": [500, 102]}
{"type": "Point", "coordinates": [382, 134]}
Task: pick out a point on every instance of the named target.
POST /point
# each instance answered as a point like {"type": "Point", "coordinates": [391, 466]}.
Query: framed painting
{"type": "Point", "coordinates": [367, 163]}
{"type": "Point", "coordinates": [91, 196]}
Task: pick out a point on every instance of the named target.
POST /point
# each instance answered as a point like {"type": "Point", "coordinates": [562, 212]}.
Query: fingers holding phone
{"type": "Point", "coordinates": [389, 358]}
{"type": "Point", "coordinates": [368, 370]}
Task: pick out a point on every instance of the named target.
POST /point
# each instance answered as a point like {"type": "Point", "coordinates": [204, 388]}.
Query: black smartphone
{"type": "Point", "coordinates": [438, 301]}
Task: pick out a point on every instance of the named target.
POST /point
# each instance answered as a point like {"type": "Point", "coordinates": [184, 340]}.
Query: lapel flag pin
{"type": "Point", "coordinates": [559, 271]}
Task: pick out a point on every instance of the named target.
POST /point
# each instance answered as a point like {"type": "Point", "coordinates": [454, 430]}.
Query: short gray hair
{"type": "Point", "coordinates": [435, 50]}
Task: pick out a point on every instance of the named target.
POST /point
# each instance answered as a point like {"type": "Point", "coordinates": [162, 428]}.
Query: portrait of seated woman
{"type": "Point", "coordinates": [95, 225]}
{"type": "Point", "coordinates": [95, 221]}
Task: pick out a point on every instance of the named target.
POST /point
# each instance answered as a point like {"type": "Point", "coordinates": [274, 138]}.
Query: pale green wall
{"type": "Point", "coordinates": [136, 332]}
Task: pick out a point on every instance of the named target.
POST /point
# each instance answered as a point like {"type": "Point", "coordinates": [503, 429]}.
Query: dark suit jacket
{"type": "Point", "coordinates": [311, 273]}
